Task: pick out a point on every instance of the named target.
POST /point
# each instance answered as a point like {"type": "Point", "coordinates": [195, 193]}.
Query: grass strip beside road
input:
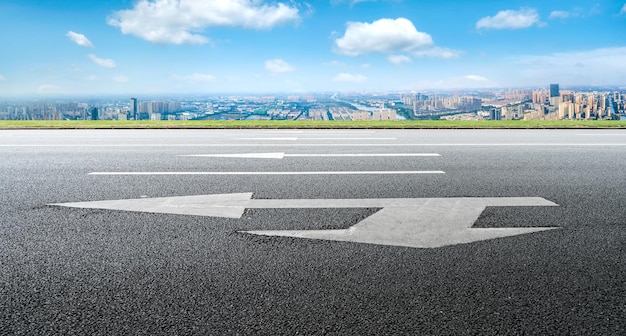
{"type": "Point", "coordinates": [299, 124]}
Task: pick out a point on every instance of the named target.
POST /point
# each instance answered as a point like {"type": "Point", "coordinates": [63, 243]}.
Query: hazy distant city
{"type": "Point", "coordinates": [550, 103]}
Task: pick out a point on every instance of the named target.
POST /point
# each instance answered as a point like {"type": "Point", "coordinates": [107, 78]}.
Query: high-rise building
{"type": "Point", "coordinates": [566, 110]}
{"type": "Point", "coordinates": [495, 114]}
{"type": "Point", "coordinates": [554, 90]}
{"type": "Point", "coordinates": [133, 108]}
{"type": "Point", "coordinates": [94, 113]}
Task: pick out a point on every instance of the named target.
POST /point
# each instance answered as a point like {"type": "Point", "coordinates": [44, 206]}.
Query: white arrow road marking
{"type": "Point", "coordinates": [283, 155]}
{"type": "Point", "coordinates": [220, 205]}
{"type": "Point", "coordinates": [421, 227]}
{"type": "Point", "coordinates": [410, 222]}
{"type": "Point", "coordinates": [364, 155]}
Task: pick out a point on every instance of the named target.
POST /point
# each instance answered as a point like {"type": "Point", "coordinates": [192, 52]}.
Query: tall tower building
{"type": "Point", "coordinates": [94, 113]}
{"type": "Point", "coordinates": [133, 108]}
{"type": "Point", "coordinates": [554, 90]}
{"type": "Point", "coordinates": [555, 97]}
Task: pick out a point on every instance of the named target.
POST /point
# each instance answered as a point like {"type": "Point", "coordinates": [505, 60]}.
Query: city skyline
{"type": "Point", "coordinates": [144, 47]}
{"type": "Point", "coordinates": [512, 104]}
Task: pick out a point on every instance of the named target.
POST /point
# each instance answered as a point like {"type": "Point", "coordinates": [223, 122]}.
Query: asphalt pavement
{"type": "Point", "coordinates": [86, 271]}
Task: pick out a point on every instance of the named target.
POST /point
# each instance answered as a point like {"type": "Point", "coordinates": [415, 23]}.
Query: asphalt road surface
{"type": "Point", "coordinates": [84, 271]}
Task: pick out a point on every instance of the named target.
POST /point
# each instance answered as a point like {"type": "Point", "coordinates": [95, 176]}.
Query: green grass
{"type": "Point", "coordinates": [399, 124]}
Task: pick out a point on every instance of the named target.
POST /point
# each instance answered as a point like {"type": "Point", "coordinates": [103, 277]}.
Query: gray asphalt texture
{"type": "Point", "coordinates": [67, 271]}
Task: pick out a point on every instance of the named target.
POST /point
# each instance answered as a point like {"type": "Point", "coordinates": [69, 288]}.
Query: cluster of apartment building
{"type": "Point", "coordinates": [383, 114]}
{"type": "Point", "coordinates": [427, 104]}
{"type": "Point", "coordinates": [345, 113]}
{"type": "Point", "coordinates": [555, 104]}
{"type": "Point", "coordinates": [116, 110]}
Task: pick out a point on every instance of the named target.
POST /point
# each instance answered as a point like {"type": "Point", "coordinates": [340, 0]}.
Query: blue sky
{"type": "Point", "coordinates": [256, 46]}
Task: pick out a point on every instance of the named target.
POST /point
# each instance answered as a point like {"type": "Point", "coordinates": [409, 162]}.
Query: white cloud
{"type": "Point", "coordinates": [623, 11]}
{"type": "Point", "coordinates": [91, 78]}
{"type": "Point", "coordinates": [334, 64]}
{"type": "Point", "coordinates": [560, 14]}
{"type": "Point", "coordinates": [351, 2]}
{"type": "Point", "coordinates": [355, 2]}
{"type": "Point", "coordinates": [447, 83]}
{"type": "Point", "coordinates": [278, 66]}
{"type": "Point", "coordinates": [398, 59]}
{"type": "Point", "coordinates": [180, 21]}
{"type": "Point", "coordinates": [382, 36]}
{"type": "Point", "coordinates": [196, 77]}
{"type": "Point", "coordinates": [577, 12]}
{"type": "Point", "coordinates": [476, 78]}
{"type": "Point", "coordinates": [106, 63]}
{"type": "Point", "coordinates": [48, 88]}
{"type": "Point", "coordinates": [510, 19]}
{"type": "Point", "coordinates": [79, 39]}
{"type": "Point", "coordinates": [120, 79]}
{"type": "Point", "coordinates": [350, 78]}
{"type": "Point", "coordinates": [438, 52]}
{"type": "Point", "coordinates": [597, 66]}
{"type": "Point", "coordinates": [2, 78]}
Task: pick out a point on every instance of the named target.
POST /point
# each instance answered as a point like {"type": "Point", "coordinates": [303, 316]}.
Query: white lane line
{"type": "Point", "coordinates": [338, 133]}
{"type": "Point", "coordinates": [283, 155]}
{"type": "Point", "coordinates": [306, 133]}
{"type": "Point", "coordinates": [310, 138]}
{"type": "Point", "coordinates": [323, 145]}
{"type": "Point", "coordinates": [275, 132]}
{"type": "Point", "coordinates": [241, 156]}
{"type": "Point", "coordinates": [368, 138]}
{"type": "Point", "coordinates": [268, 139]}
{"type": "Point", "coordinates": [400, 172]}
{"type": "Point", "coordinates": [602, 134]}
